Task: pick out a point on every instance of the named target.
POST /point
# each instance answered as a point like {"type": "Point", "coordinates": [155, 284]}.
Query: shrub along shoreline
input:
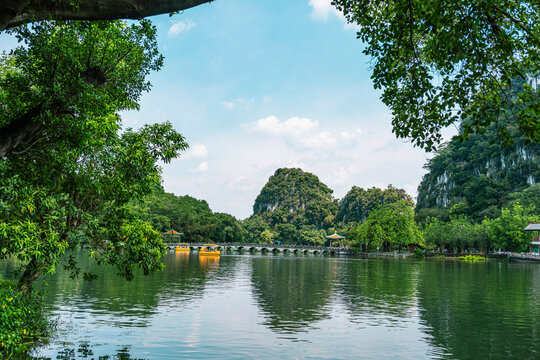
{"type": "Point", "coordinates": [22, 320]}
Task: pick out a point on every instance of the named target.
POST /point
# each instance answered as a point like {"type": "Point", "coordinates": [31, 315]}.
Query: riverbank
{"type": "Point", "coordinates": [475, 257]}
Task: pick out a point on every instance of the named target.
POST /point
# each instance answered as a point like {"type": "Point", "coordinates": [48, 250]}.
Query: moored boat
{"type": "Point", "coordinates": [182, 247]}
{"type": "Point", "coordinates": [210, 250]}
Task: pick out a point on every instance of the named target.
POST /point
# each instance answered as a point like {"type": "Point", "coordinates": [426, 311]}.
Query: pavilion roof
{"type": "Point", "coordinates": [172, 232]}
{"type": "Point", "coordinates": [532, 227]}
{"type": "Point", "coordinates": [335, 236]}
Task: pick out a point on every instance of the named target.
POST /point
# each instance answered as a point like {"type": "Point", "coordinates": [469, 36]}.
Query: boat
{"type": "Point", "coordinates": [182, 247]}
{"type": "Point", "coordinates": [210, 250]}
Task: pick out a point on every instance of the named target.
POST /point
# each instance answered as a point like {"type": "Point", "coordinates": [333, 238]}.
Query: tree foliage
{"type": "Point", "coordinates": [390, 226]}
{"type": "Point", "coordinates": [504, 232]}
{"type": "Point", "coordinates": [188, 215]}
{"type": "Point", "coordinates": [74, 176]}
{"type": "Point", "coordinates": [66, 74]}
{"type": "Point", "coordinates": [441, 62]}
{"type": "Point", "coordinates": [359, 203]}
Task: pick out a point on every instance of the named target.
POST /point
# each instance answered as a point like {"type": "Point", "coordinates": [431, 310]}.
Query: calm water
{"type": "Point", "coordinates": [288, 306]}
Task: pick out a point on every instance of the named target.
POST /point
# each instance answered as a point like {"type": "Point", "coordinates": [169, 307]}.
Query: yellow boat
{"type": "Point", "coordinates": [209, 250]}
{"type": "Point", "coordinates": [182, 247]}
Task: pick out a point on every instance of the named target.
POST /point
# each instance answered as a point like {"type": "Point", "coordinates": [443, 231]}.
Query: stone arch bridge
{"type": "Point", "coordinates": [275, 248]}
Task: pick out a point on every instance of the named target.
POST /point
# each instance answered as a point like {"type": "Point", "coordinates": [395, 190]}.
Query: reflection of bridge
{"type": "Point", "coordinates": [295, 249]}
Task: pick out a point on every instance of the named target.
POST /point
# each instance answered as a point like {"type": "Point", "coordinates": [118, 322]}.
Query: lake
{"type": "Point", "coordinates": [270, 306]}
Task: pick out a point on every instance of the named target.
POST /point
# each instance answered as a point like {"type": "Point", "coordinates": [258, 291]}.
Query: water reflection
{"type": "Point", "coordinates": [243, 305]}
{"type": "Point", "coordinates": [379, 292]}
{"type": "Point", "coordinates": [111, 299]}
{"type": "Point", "coordinates": [209, 263]}
{"type": "Point", "coordinates": [481, 310]}
{"type": "Point", "coordinates": [85, 351]}
{"type": "Point", "coordinates": [292, 293]}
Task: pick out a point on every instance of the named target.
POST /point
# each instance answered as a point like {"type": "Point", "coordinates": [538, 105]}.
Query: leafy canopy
{"type": "Point", "coordinates": [72, 181]}
{"type": "Point", "coordinates": [441, 62]}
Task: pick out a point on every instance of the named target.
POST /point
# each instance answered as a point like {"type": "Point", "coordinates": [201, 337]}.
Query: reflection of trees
{"type": "Point", "coordinates": [379, 290]}
{"type": "Point", "coordinates": [474, 311]}
{"type": "Point", "coordinates": [85, 351]}
{"type": "Point", "coordinates": [181, 282]}
{"type": "Point", "coordinates": [293, 292]}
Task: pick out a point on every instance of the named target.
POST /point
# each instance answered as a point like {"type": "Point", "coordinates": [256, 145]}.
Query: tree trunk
{"type": "Point", "coordinates": [32, 272]}
{"type": "Point", "coordinates": [16, 12]}
{"type": "Point", "coordinates": [19, 131]}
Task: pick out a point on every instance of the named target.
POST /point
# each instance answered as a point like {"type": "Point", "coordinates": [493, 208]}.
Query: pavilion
{"type": "Point", "coordinates": [172, 234]}
{"type": "Point", "coordinates": [535, 240]}
{"type": "Point", "coordinates": [335, 236]}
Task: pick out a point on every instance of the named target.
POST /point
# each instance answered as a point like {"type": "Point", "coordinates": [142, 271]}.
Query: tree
{"type": "Point", "coordinates": [67, 72]}
{"type": "Point", "coordinates": [228, 229]}
{"type": "Point", "coordinates": [74, 179]}
{"type": "Point", "coordinates": [439, 62]}
{"type": "Point", "coordinates": [506, 231]}
{"type": "Point", "coordinates": [389, 226]}
{"type": "Point", "coordinates": [15, 12]}
{"type": "Point", "coordinates": [255, 226]}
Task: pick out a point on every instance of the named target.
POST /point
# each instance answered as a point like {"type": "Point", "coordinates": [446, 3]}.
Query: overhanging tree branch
{"type": "Point", "coordinates": [16, 12]}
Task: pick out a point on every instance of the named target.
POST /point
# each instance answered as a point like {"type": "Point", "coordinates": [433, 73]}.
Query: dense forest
{"type": "Point", "coordinates": [192, 217]}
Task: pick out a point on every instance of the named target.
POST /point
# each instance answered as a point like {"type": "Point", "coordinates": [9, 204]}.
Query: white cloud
{"type": "Point", "coordinates": [272, 125]}
{"type": "Point", "coordinates": [229, 104]}
{"type": "Point", "coordinates": [302, 130]}
{"type": "Point", "coordinates": [180, 26]}
{"type": "Point", "coordinates": [351, 26]}
{"type": "Point", "coordinates": [348, 135]}
{"type": "Point", "coordinates": [342, 174]}
{"type": "Point", "coordinates": [320, 140]}
{"type": "Point", "coordinates": [321, 9]}
{"type": "Point", "coordinates": [238, 102]}
{"type": "Point", "coordinates": [268, 98]}
{"type": "Point", "coordinates": [196, 151]}
{"type": "Point", "coordinates": [203, 167]}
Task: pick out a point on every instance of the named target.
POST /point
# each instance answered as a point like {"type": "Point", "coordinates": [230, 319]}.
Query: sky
{"type": "Point", "coordinates": [259, 85]}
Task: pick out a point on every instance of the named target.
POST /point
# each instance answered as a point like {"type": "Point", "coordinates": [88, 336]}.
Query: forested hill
{"type": "Point", "coordinates": [294, 206]}
{"type": "Point", "coordinates": [359, 203]}
{"type": "Point", "coordinates": [292, 194]}
{"type": "Point", "coordinates": [478, 175]}
{"type": "Point", "coordinates": [188, 215]}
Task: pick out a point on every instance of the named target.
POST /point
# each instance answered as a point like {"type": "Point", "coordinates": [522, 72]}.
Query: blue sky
{"type": "Point", "coordinates": [258, 85]}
